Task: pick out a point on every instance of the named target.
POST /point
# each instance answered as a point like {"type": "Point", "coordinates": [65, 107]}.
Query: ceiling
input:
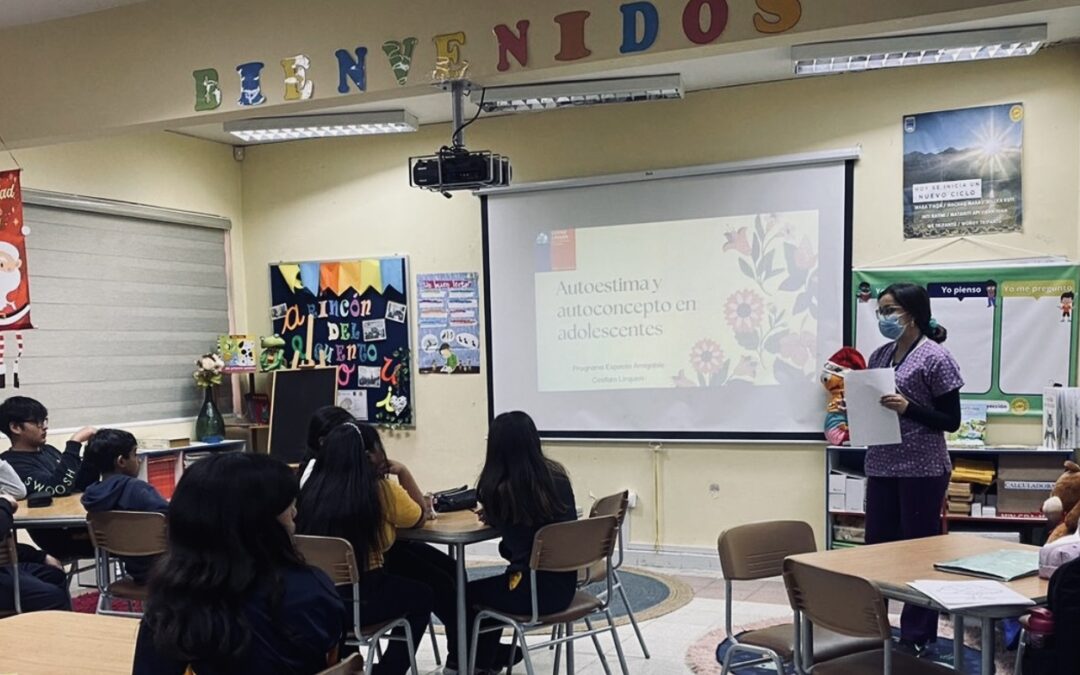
{"type": "Point", "coordinates": [23, 12]}
{"type": "Point", "coordinates": [727, 70]}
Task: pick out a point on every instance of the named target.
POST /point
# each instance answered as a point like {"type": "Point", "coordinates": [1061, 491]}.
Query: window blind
{"type": "Point", "coordinates": [123, 299]}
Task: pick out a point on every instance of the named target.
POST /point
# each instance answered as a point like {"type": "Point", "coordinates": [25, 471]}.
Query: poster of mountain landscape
{"type": "Point", "coordinates": [962, 171]}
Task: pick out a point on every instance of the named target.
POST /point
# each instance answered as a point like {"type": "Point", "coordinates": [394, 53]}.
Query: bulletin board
{"type": "Point", "coordinates": [353, 315]}
{"type": "Point", "coordinates": [1011, 328]}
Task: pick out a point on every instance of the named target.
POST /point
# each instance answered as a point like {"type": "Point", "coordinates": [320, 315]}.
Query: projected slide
{"type": "Point", "coordinates": [690, 303]}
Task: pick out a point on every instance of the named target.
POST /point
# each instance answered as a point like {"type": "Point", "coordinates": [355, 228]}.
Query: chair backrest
{"type": "Point", "coordinates": [332, 555]}
{"type": "Point", "coordinates": [612, 505]}
{"type": "Point", "coordinates": [353, 664]}
{"type": "Point", "coordinates": [9, 557]}
{"type": "Point", "coordinates": [757, 550]}
{"type": "Point", "coordinates": [8, 554]}
{"type": "Point", "coordinates": [573, 545]}
{"type": "Point", "coordinates": [127, 533]}
{"type": "Point", "coordinates": [839, 602]}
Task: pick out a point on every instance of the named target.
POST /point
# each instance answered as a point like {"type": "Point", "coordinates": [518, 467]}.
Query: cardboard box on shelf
{"type": "Point", "coordinates": [1024, 481]}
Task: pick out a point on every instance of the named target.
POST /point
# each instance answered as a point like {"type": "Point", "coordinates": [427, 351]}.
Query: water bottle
{"type": "Point", "coordinates": [1040, 628]}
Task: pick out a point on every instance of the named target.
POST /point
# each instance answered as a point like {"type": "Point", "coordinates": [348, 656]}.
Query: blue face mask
{"type": "Point", "coordinates": [890, 327]}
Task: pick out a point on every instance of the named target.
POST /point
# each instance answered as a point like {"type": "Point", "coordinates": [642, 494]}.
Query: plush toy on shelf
{"type": "Point", "coordinates": [832, 378]}
{"type": "Point", "coordinates": [1063, 507]}
{"type": "Point", "coordinates": [273, 353]}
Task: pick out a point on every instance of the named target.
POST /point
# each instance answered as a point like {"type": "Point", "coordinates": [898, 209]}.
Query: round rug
{"type": "Point", "coordinates": [651, 595]}
{"type": "Point", "coordinates": [702, 656]}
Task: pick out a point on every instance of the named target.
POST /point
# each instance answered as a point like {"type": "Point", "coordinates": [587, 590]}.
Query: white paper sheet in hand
{"type": "Point", "coordinates": [871, 423]}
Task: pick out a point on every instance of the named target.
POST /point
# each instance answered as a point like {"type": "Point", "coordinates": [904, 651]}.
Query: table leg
{"type": "Point", "coordinates": [987, 647]}
{"type": "Point", "coordinates": [958, 643]}
{"type": "Point", "coordinates": [462, 622]}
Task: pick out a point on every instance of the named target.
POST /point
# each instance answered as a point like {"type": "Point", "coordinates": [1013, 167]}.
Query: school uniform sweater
{"type": "Point", "coordinates": [50, 471]}
{"type": "Point", "coordinates": [120, 492]}
{"type": "Point", "coordinates": [294, 638]}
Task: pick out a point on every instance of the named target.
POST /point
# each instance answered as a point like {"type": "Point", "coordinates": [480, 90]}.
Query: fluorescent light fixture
{"type": "Point", "coordinates": [270, 129]}
{"type": "Point", "coordinates": [577, 93]}
{"type": "Point", "coordinates": [916, 50]}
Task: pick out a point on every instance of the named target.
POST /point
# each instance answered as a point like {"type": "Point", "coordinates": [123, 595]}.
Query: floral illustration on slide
{"type": "Point", "coordinates": [744, 311]}
{"type": "Point", "coordinates": [768, 331]}
{"type": "Point", "coordinates": [708, 360]}
{"type": "Point", "coordinates": [706, 357]}
{"type": "Point", "coordinates": [737, 241]}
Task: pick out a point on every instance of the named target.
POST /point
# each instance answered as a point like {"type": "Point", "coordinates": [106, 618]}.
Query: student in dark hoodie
{"type": "Point", "coordinates": [44, 469]}
{"type": "Point", "coordinates": [112, 453]}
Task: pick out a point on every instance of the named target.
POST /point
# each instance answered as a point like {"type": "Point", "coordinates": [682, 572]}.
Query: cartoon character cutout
{"type": "Point", "coordinates": [273, 353]}
{"type": "Point", "coordinates": [991, 293]}
{"type": "Point", "coordinates": [1066, 306]}
{"type": "Point", "coordinates": [864, 292]}
{"type": "Point", "coordinates": [14, 295]}
{"type": "Point", "coordinates": [452, 361]}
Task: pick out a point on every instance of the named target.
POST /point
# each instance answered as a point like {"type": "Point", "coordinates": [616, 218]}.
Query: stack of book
{"type": "Point", "coordinates": [959, 497]}
{"type": "Point", "coordinates": [975, 471]}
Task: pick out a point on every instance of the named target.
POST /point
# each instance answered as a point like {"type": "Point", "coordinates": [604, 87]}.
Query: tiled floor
{"type": "Point", "coordinates": [668, 637]}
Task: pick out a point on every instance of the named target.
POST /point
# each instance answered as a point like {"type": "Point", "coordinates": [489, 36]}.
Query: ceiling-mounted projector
{"type": "Point", "coordinates": [455, 167]}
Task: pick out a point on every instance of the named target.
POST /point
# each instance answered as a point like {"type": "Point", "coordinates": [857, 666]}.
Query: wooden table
{"type": "Point", "coordinates": [61, 643]}
{"type": "Point", "coordinates": [65, 511]}
{"type": "Point", "coordinates": [456, 530]}
{"type": "Point", "coordinates": [891, 566]}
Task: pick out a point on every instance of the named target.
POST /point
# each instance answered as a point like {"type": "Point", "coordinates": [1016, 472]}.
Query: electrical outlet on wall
{"type": "Point", "coordinates": [631, 500]}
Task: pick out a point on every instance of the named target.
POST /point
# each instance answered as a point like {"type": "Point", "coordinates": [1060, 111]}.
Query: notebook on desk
{"type": "Point", "coordinates": [1003, 565]}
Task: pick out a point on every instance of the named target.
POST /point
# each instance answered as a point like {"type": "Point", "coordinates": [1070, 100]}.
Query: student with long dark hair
{"type": "Point", "coordinates": [906, 483]}
{"type": "Point", "coordinates": [346, 497]}
{"type": "Point", "coordinates": [521, 491]}
{"type": "Point", "coordinates": [322, 421]}
{"type": "Point", "coordinates": [231, 594]}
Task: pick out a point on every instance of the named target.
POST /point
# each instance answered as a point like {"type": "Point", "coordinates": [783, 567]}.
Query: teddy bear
{"type": "Point", "coordinates": [832, 378]}
{"type": "Point", "coordinates": [1063, 507]}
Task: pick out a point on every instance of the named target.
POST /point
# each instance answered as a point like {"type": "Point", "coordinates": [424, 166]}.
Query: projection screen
{"type": "Point", "coordinates": [682, 304]}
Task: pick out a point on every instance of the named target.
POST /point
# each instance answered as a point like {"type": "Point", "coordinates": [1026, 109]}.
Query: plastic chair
{"type": "Point", "coordinates": [9, 557]}
{"type": "Point", "coordinates": [850, 606]}
{"type": "Point", "coordinates": [349, 666]}
{"type": "Point", "coordinates": [615, 505]}
{"type": "Point", "coordinates": [573, 546]}
{"type": "Point", "coordinates": [126, 534]}
{"type": "Point", "coordinates": [336, 557]}
{"type": "Point", "coordinates": [757, 551]}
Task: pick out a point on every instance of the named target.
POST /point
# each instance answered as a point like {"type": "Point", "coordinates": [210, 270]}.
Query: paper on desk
{"type": "Point", "coordinates": [871, 423]}
{"type": "Point", "coordinates": [962, 594]}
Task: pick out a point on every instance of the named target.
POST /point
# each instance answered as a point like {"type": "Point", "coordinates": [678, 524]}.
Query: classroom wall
{"type": "Point", "coordinates": [158, 169]}
{"type": "Point", "coordinates": [350, 197]}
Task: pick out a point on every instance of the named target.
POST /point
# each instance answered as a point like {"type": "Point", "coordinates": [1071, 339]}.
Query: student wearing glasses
{"type": "Point", "coordinates": [906, 483]}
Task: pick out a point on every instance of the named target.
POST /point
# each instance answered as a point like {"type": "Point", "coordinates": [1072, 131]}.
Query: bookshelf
{"type": "Point", "coordinates": [1030, 528]}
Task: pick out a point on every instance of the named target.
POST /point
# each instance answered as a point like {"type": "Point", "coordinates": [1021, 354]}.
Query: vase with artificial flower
{"type": "Point", "coordinates": [209, 425]}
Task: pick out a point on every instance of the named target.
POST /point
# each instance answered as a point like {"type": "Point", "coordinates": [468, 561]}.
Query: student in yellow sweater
{"type": "Point", "coordinates": [346, 497]}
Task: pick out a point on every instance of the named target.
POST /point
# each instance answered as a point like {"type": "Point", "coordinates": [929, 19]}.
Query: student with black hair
{"type": "Point", "coordinates": [906, 483]}
{"type": "Point", "coordinates": [112, 454]}
{"type": "Point", "coordinates": [346, 497]}
{"type": "Point", "coordinates": [232, 594]}
{"type": "Point", "coordinates": [521, 491]}
{"type": "Point", "coordinates": [42, 582]}
{"type": "Point", "coordinates": [44, 469]}
{"type": "Point", "coordinates": [322, 421]}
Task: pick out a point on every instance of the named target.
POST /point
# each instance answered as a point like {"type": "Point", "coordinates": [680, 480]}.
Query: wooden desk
{"type": "Point", "coordinates": [61, 643]}
{"type": "Point", "coordinates": [63, 512]}
{"type": "Point", "coordinates": [456, 530]}
{"type": "Point", "coordinates": [891, 566]}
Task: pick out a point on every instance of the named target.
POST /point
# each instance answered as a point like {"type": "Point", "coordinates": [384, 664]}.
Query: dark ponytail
{"type": "Point", "coordinates": [914, 300]}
